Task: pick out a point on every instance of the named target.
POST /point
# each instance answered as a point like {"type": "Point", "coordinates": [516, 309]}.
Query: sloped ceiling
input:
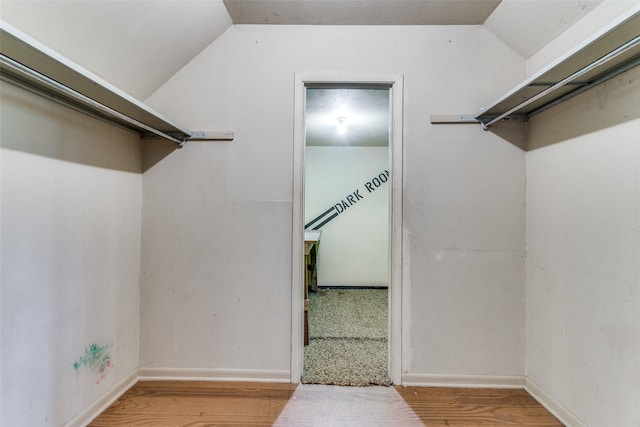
{"type": "Point", "coordinates": [361, 12]}
{"type": "Point", "coordinates": [138, 45]}
{"type": "Point", "coordinates": [529, 25]}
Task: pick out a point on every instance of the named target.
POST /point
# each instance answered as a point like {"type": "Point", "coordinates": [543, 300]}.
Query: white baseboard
{"type": "Point", "coordinates": [475, 381]}
{"type": "Point", "coordinates": [565, 416]}
{"type": "Point", "coordinates": [188, 374]}
{"type": "Point", "coordinates": [256, 375]}
{"type": "Point", "coordinates": [97, 407]}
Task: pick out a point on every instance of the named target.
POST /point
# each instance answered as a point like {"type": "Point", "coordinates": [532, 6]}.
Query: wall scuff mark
{"type": "Point", "coordinates": [97, 358]}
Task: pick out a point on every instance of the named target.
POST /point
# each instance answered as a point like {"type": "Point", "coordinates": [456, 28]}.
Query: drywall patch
{"type": "Point", "coordinates": [97, 359]}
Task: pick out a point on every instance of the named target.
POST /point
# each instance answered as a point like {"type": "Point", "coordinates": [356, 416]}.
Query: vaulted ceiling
{"type": "Point", "coordinates": [361, 12]}
{"type": "Point", "coordinates": [138, 44]}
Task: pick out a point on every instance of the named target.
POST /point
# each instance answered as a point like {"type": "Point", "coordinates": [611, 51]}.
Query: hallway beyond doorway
{"type": "Point", "coordinates": [348, 342]}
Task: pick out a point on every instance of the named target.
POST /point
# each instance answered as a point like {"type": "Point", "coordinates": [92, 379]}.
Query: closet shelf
{"type": "Point", "coordinates": [612, 51]}
{"type": "Point", "coordinates": [27, 63]}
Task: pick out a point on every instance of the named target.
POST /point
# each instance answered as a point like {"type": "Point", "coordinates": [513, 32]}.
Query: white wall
{"type": "Point", "coordinates": [125, 42]}
{"type": "Point", "coordinates": [583, 244]}
{"type": "Point", "coordinates": [354, 246]}
{"type": "Point", "coordinates": [70, 239]}
{"type": "Point", "coordinates": [216, 288]}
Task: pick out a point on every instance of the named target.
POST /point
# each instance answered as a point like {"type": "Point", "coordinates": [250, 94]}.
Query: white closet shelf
{"type": "Point", "coordinates": [606, 54]}
{"type": "Point", "coordinates": [31, 65]}
{"type": "Point", "coordinates": [610, 52]}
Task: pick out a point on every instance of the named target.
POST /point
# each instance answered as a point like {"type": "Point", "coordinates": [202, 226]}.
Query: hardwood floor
{"type": "Point", "coordinates": [172, 403]}
{"type": "Point", "coordinates": [476, 407]}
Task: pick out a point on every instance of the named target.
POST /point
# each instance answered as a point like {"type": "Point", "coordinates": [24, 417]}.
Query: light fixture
{"type": "Point", "coordinates": [342, 126]}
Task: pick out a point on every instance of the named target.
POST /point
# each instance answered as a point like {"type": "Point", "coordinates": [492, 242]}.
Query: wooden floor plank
{"type": "Point", "coordinates": [174, 403]}
{"type": "Point", "coordinates": [469, 407]}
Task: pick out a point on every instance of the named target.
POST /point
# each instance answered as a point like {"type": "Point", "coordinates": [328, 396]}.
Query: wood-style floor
{"type": "Point", "coordinates": [168, 403]}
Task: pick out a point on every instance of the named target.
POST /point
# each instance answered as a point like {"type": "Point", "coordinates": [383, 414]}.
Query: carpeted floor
{"type": "Point", "coordinates": [347, 338]}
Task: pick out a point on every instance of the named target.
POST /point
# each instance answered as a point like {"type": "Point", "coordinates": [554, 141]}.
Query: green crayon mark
{"type": "Point", "coordinates": [96, 358]}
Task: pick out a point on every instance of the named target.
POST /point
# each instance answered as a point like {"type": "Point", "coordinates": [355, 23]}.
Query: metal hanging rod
{"type": "Point", "coordinates": [82, 100]}
{"type": "Point", "coordinates": [587, 86]}
{"type": "Point", "coordinates": [602, 60]}
{"type": "Point", "coordinates": [32, 66]}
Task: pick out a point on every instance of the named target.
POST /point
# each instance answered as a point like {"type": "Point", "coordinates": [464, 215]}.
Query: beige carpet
{"type": "Point", "coordinates": [347, 338]}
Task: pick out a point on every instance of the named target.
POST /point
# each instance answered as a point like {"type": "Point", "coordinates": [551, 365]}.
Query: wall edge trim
{"type": "Point", "coordinates": [473, 381]}
{"type": "Point", "coordinates": [260, 375]}
{"type": "Point", "coordinates": [204, 374]}
{"type": "Point", "coordinates": [558, 410]}
{"type": "Point", "coordinates": [99, 406]}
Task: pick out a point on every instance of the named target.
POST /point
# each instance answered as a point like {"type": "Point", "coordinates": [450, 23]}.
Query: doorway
{"type": "Point", "coordinates": [342, 86]}
{"type": "Point", "coordinates": [346, 215]}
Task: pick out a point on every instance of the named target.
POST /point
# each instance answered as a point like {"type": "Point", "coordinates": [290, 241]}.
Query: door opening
{"type": "Point", "coordinates": [346, 215]}
{"type": "Point", "coordinates": [335, 147]}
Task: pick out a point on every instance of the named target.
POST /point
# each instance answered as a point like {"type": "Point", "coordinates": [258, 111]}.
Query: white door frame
{"type": "Point", "coordinates": [396, 84]}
